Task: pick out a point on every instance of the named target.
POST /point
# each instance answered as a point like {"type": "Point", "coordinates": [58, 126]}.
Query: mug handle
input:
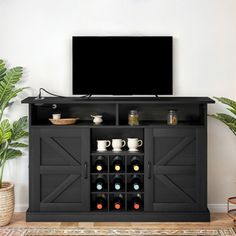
{"type": "Point", "coordinates": [123, 143]}
{"type": "Point", "coordinates": [140, 142]}
{"type": "Point", "coordinates": [108, 143]}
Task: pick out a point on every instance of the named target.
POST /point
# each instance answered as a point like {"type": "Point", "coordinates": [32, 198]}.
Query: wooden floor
{"type": "Point", "coordinates": [218, 221]}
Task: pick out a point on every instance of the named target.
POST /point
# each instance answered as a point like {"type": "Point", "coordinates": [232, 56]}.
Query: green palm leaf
{"type": "Point", "coordinates": [227, 101]}
{"type": "Point", "coordinates": [12, 153]}
{"type": "Point", "coordinates": [3, 69]}
{"type": "Point", "coordinates": [8, 82]}
{"type": "Point", "coordinates": [18, 145]}
{"type": "Point", "coordinates": [18, 129]}
{"type": "Point", "coordinates": [7, 85]}
{"type": "Point", "coordinates": [232, 110]}
{"type": "Point", "coordinates": [5, 131]}
{"type": "Point", "coordinates": [229, 120]}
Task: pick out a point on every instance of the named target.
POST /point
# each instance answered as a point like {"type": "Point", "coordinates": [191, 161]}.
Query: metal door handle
{"type": "Point", "coordinates": [149, 170]}
{"type": "Point", "coordinates": [86, 170]}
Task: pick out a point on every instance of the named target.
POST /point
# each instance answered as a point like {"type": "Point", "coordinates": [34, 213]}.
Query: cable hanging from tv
{"type": "Point", "coordinates": [40, 97]}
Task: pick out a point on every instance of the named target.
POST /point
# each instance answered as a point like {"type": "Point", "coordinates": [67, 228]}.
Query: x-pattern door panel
{"type": "Point", "coordinates": [63, 155]}
{"type": "Point", "coordinates": [175, 156]}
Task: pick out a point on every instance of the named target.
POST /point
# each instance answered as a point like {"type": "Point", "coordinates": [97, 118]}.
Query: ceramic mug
{"type": "Point", "coordinates": [117, 144]}
{"type": "Point", "coordinates": [102, 145]}
{"type": "Point", "coordinates": [97, 119]}
{"type": "Point", "coordinates": [56, 116]}
{"type": "Point", "coordinates": [134, 143]}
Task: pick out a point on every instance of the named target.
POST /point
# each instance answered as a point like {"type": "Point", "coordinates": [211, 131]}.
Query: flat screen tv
{"type": "Point", "coordinates": [122, 65]}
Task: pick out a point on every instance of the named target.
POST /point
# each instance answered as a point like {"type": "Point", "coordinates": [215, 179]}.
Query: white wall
{"type": "Point", "coordinates": [37, 35]}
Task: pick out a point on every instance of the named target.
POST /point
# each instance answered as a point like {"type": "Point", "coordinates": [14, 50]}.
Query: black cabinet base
{"type": "Point", "coordinates": [202, 216]}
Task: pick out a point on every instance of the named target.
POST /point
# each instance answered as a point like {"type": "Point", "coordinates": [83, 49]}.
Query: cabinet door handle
{"type": "Point", "coordinates": [86, 170]}
{"type": "Point", "coordinates": [149, 170]}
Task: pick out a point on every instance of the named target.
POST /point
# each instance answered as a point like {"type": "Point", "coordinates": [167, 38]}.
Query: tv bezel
{"type": "Point", "coordinates": [75, 89]}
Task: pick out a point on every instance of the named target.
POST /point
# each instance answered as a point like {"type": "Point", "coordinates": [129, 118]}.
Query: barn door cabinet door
{"type": "Point", "coordinates": [175, 168]}
{"type": "Point", "coordinates": [59, 178]}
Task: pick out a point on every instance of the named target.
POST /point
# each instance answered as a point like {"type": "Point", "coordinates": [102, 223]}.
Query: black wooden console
{"type": "Point", "coordinates": [174, 159]}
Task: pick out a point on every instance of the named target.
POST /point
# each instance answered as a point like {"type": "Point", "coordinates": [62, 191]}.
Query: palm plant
{"type": "Point", "coordinates": [10, 132]}
{"type": "Point", "coordinates": [229, 120]}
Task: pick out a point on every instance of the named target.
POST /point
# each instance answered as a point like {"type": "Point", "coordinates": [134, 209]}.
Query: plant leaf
{"type": "Point", "coordinates": [12, 153]}
{"type": "Point", "coordinates": [232, 110]}
{"type": "Point", "coordinates": [18, 145]}
{"type": "Point", "coordinates": [232, 126]}
{"type": "Point", "coordinates": [18, 129]}
{"type": "Point", "coordinates": [3, 69]}
{"type": "Point", "coordinates": [229, 120]}
{"type": "Point", "coordinates": [8, 97]}
{"type": "Point", "coordinates": [5, 131]}
{"type": "Point", "coordinates": [7, 85]}
{"type": "Point", "coordinates": [227, 101]}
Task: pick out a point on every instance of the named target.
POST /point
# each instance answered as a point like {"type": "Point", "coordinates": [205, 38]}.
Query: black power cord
{"type": "Point", "coordinates": [39, 97]}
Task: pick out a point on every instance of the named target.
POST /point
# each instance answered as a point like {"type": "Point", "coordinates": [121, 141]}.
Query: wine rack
{"type": "Point", "coordinates": [122, 183]}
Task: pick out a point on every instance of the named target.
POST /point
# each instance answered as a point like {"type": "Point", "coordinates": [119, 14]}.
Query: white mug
{"type": "Point", "coordinates": [102, 145]}
{"type": "Point", "coordinates": [56, 116]}
{"type": "Point", "coordinates": [117, 144]}
{"type": "Point", "coordinates": [97, 119]}
{"type": "Point", "coordinates": [134, 143]}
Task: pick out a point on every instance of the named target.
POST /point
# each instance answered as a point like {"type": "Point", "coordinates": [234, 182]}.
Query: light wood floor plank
{"type": "Point", "coordinates": [218, 220]}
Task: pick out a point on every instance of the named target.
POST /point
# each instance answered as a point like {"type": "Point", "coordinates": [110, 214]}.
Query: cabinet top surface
{"type": "Point", "coordinates": [117, 100]}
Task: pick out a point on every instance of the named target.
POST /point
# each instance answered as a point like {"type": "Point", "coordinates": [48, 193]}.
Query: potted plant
{"type": "Point", "coordinates": [229, 120]}
{"type": "Point", "coordinates": [11, 134]}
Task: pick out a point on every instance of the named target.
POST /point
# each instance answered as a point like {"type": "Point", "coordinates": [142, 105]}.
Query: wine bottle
{"type": "Point", "coordinates": [100, 182]}
{"type": "Point", "coordinates": [136, 164]}
{"type": "Point", "coordinates": [101, 202]}
{"type": "Point", "coordinates": [136, 183]}
{"type": "Point", "coordinates": [100, 163]}
{"type": "Point", "coordinates": [118, 202]}
{"type": "Point", "coordinates": [136, 202]}
{"type": "Point", "coordinates": [117, 182]}
{"type": "Point", "coordinates": [117, 164]}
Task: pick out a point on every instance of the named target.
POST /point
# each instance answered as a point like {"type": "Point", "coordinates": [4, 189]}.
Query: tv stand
{"type": "Point", "coordinates": [173, 160]}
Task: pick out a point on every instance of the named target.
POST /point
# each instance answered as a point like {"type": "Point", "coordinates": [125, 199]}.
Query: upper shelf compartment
{"type": "Point", "coordinates": [115, 110]}
{"type": "Point", "coordinates": [156, 114]}
{"type": "Point", "coordinates": [42, 112]}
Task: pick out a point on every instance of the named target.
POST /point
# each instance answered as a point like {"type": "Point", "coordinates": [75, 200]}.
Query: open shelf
{"type": "Point", "coordinates": [154, 115]}
{"type": "Point", "coordinates": [115, 113]}
{"type": "Point", "coordinates": [42, 112]}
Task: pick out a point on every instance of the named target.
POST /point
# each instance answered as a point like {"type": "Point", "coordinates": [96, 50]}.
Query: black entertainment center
{"type": "Point", "coordinates": [156, 169]}
{"type": "Point", "coordinates": [173, 159]}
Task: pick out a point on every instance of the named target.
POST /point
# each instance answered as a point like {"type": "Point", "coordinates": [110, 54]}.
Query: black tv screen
{"type": "Point", "coordinates": [127, 65]}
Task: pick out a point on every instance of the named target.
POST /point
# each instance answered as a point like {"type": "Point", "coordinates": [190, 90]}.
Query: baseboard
{"type": "Point", "coordinates": [217, 208]}
{"type": "Point", "coordinates": [212, 207]}
{"type": "Point", "coordinates": [21, 207]}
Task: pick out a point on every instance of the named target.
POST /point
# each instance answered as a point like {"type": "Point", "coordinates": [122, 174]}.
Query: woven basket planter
{"type": "Point", "coordinates": [7, 203]}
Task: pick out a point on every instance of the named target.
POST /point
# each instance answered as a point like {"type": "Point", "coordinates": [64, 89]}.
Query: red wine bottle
{"type": "Point", "coordinates": [118, 202]}
{"type": "Point", "coordinates": [100, 183]}
{"type": "Point", "coordinates": [136, 164]}
{"type": "Point", "coordinates": [117, 164]}
{"type": "Point", "coordinates": [117, 183]}
{"type": "Point", "coordinates": [136, 202]}
{"type": "Point", "coordinates": [136, 183]}
{"type": "Point", "coordinates": [101, 202]}
{"type": "Point", "coordinates": [100, 163]}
